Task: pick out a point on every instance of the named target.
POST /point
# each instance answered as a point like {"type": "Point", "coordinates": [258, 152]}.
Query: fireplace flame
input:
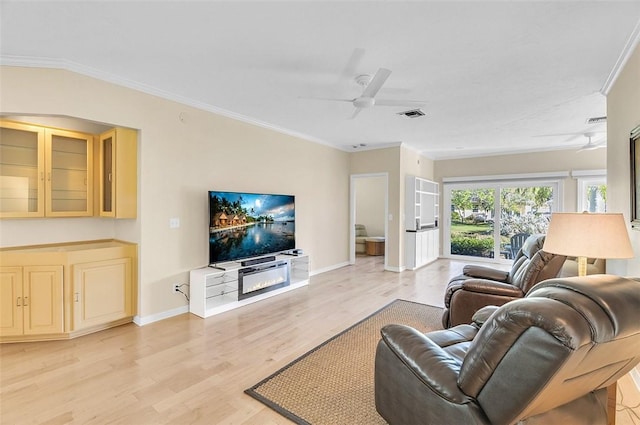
{"type": "Point", "coordinates": [265, 284]}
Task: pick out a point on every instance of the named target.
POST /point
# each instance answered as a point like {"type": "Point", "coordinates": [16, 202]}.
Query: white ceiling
{"type": "Point", "coordinates": [496, 77]}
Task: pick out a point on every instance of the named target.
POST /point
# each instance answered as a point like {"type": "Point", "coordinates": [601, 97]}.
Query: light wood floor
{"type": "Point", "coordinates": [187, 370]}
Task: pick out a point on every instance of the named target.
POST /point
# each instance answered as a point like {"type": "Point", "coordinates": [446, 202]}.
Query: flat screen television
{"type": "Point", "coordinates": [244, 225]}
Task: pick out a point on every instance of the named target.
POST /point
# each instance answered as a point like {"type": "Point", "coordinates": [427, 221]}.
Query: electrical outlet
{"type": "Point", "coordinates": [176, 287]}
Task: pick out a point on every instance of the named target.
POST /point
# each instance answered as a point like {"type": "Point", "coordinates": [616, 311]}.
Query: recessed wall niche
{"type": "Point", "coordinates": [60, 166]}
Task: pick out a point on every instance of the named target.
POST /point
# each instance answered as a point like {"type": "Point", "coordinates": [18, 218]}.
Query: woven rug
{"type": "Point", "coordinates": [333, 383]}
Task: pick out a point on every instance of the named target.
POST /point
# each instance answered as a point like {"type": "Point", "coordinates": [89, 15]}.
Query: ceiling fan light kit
{"type": "Point", "coordinates": [363, 80]}
{"type": "Point", "coordinates": [364, 102]}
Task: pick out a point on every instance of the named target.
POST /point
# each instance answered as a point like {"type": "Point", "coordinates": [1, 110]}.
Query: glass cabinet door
{"type": "Point", "coordinates": [69, 180]}
{"type": "Point", "coordinates": [106, 174]}
{"type": "Point", "coordinates": [21, 170]}
{"type": "Point", "coordinates": [117, 175]}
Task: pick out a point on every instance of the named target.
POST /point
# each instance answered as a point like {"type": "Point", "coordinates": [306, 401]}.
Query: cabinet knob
{"type": "Point", "coordinates": [77, 296]}
{"type": "Point", "coordinates": [18, 301]}
{"type": "Point", "coordinates": [25, 302]}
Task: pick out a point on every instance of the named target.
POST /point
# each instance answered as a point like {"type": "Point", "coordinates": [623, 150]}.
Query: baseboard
{"type": "Point", "coordinates": [145, 320]}
{"type": "Point", "coordinates": [328, 269]}
{"type": "Point", "coordinates": [141, 321]}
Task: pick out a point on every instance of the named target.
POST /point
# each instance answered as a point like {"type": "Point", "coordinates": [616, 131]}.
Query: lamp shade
{"type": "Point", "coordinates": [588, 235]}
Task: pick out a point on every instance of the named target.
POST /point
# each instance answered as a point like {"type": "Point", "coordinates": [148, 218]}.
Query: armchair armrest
{"type": "Point", "coordinates": [482, 315]}
{"type": "Point", "coordinates": [484, 272]}
{"type": "Point", "coordinates": [492, 287]}
{"type": "Point", "coordinates": [433, 366]}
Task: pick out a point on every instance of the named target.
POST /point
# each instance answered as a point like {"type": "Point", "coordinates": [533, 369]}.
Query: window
{"type": "Point", "coordinates": [591, 190]}
{"type": "Point", "coordinates": [490, 219]}
{"type": "Point", "coordinates": [592, 194]}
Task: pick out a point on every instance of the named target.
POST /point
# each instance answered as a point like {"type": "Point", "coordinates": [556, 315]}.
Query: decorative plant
{"type": "Point", "coordinates": [470, 245]}
{"type": "Point", "coordinates": [510, 224]}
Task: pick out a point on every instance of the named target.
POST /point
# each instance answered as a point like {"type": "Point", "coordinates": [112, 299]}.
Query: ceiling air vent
{"type": "Point", "coordinates": [413, 113]}
{"type": "Point", "coordinates": [597, 120]}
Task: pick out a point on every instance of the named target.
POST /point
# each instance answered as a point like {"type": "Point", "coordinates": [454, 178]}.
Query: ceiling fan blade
{"type": "Point", "coordinates": [592, 146]}
{"type": "Point", "coordinates": [333, 99]}
{"type": "Point", "coordinates": [565, 134]}
{"type": "Point", "coordinates": [355, 113]}
{"type": "Point", "coordinates": [400, 102]}
{"type": "Point", "coordinates": [376, 83]}
{"type": "Point", "coordinates": [355, 59]}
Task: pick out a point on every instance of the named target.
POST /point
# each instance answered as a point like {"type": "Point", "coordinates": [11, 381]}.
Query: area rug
{"type": "Point", "coordinates": [333, 383]}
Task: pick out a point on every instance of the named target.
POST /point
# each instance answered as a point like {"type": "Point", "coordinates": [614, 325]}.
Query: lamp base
{"type": "Point", "coordinates": [611, 403]}
{"type": "Point", "coordinates": [582, 266]}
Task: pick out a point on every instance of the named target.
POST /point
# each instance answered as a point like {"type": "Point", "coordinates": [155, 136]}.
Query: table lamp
{"type": "Point", "coordinates": [585, 235]}
{"type": "Point", "coordinates": [582, 235]}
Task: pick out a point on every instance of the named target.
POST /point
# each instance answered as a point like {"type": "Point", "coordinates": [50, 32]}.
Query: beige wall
{"type": "Point", "coordinates": [370, 203]}
{"type": "Point", "coordinates": [397, 162]}
{"type": "Point", "coordinates": [414, 164]}
{"type": "Point", "coordinates": [384, 161]}
{"type": "Point", "coordinates": [178, 162]}
{"type": "Point", "coordinates": [623, 114]}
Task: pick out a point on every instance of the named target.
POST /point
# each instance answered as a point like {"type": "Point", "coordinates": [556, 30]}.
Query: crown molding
{"type": "Point", "coordinates": [66, 65]}
{"type": "Point", "coordinates": [626, 53]}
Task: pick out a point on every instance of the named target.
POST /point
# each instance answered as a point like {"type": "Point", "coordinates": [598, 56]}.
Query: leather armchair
{"type": "Point", "coordinates": [480, 286]}
{"type": "Point", "coordinates": [545, 359]}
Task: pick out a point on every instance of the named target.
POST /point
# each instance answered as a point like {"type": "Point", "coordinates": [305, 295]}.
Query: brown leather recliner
{"type": "Point", "coordinates": [480, 286]}
{"type": "Point", "coordinates": [544, 359]}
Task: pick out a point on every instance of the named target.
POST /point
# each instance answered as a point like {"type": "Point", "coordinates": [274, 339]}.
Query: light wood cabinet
{"type": "Point", "coordinates": [62, 291]}
{"type": "Point", "coordinates": [41, 302]}
{"type": "Point", "coordinates": [118, 157]}
{"type": "Point", "coordinates": [101, 292]}
{"type": "Point", "coordinates": [31, 300]}
{"type": "Point", "coordinates": [69, 173]}
{"type": "Point", "coordinates": [45, 172]}
{"type": "Point", "coordinates": [21, 170]}
{"type": "Point", "coordinates": [10, 301]}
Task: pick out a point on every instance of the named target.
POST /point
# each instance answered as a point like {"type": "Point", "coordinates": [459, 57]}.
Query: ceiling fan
{"type": "Point", "coordinates": [371, 86]}
{"type": "Point", "coordinates": [589, 146]}
{"type": "Point", "coordinates": [572, 136]}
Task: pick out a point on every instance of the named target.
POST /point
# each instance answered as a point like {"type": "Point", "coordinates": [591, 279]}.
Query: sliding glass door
{"type": "Point", "coordinates": [472, 221]}
{"type": "Point", "coordinates": [491, 220]}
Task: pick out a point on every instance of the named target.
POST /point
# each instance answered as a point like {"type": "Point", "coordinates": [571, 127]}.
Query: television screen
{"type": "Point", "coordinates": [243, 225]}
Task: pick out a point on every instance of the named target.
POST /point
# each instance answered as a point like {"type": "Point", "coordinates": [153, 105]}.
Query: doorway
{"type": "Point", "coordinates": [369, 208]}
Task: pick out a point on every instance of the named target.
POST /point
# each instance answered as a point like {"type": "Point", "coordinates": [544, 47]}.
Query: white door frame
{"type": "Point", "coordinates": [352, 215]}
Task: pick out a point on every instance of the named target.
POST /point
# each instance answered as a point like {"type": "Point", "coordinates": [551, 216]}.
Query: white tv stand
{"type": "Point", "coordinates": [215, 290]}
